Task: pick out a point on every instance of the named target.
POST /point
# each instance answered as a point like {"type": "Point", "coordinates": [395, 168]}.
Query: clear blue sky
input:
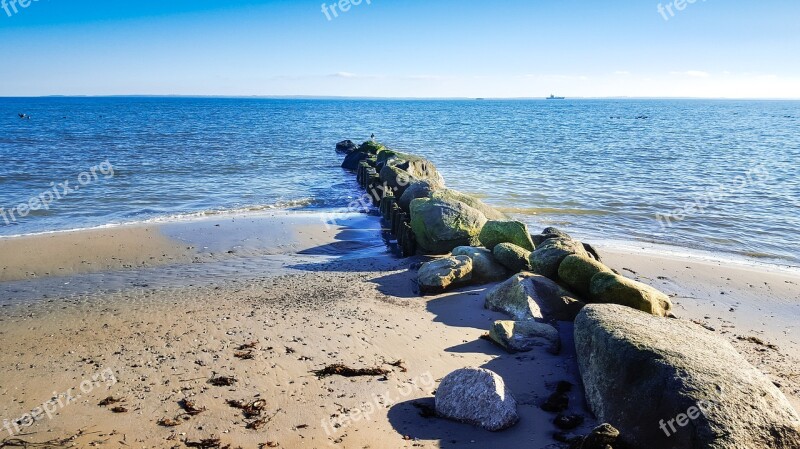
{"type": "Point", "coordinates": [402, 48]}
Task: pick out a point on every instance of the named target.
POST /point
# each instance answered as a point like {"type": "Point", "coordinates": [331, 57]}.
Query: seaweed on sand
{"type": "Point", "coordinates": [346, 371]}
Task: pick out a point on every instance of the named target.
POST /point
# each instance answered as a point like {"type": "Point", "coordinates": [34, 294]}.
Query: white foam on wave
{"type": "Point", "coordinates": [288, 205]}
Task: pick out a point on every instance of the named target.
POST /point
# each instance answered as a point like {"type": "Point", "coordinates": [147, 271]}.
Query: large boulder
{"type": "Point", "coordinates": [523, 336]}
{"type": "Point", "coordinates": [395, 179]}
{"type": "Point", "coordinates": [512, 257]}
{"type": "Point", "coordinates": [352, 160]}
{"type": "Point", "coordinates": [477, 396]}
{"type": "Point", "coordinates": [529, 296]}
{"type": "Point", "coordinates": [577, 272]}
{"type": "Point", "coordinates": [417, 189]}
{"type": "Point", "coordinates": [454, 195]}
{"type": "Point", "coordinates": [615, 289]}
{"type": "Point", "coordinates": [438, 275]}
{"type": "Point", "coordinates": [667, 384]}
{"type": "Point", "coordinates": [549, 255]}
{"type": "Point", "coordinates": [441, 225]}
{"type": "Point", "coordinates": [495, 232]}
{"type": "Point", "coordinates": [346, 147]}
{"type": "Point", "coordinates": [484, 266]}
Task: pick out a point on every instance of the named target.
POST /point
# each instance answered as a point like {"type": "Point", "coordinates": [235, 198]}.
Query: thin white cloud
{"type": "Point", "coordinates": [344, 75]}
{"type": "Point", "coordinates": [693, 74]}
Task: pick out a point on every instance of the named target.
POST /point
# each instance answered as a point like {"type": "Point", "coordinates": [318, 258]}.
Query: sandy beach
{"type": "Point", "coordinates": [263, 301]}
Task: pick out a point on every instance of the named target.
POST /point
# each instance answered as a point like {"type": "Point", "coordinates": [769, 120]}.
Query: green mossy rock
{"type": "Point", "coordinates": [577, 272]}
{"type": "Point", "coordinates": [546, 259]}
{"type": "Point", "coordinates": [442, 225]}
{"type": "Point", "coordinates": [513, 257]}
{"type": "Point", "coordinates": [417, 189]}
{"type": "Point", "coordinates": [496, 232]}
{"type": "Point", "coordinates": [610, 288]}
{"type": "Point", "coordinates": [370, 147]}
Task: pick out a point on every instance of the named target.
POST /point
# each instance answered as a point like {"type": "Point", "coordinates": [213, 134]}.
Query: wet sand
{"type": "Point", "coordinates": [296, 297]}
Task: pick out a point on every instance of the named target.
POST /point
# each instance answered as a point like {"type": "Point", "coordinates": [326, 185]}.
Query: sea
{"type": "Point", "coordinates": [718, 177]}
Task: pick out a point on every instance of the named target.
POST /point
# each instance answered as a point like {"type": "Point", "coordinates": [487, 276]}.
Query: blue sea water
{"type": "Point", "coordinates": [719, 176]}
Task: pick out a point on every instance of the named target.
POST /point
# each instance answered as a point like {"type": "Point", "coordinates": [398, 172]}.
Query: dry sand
{"type": "Point", "coordinates": [305, 297]}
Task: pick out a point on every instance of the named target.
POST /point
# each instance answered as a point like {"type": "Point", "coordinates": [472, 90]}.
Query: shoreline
{"type": "Point", "coordinates": [174, 251]}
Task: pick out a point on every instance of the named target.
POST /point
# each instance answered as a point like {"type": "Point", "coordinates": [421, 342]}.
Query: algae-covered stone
{"type": "Point", "coordinates": [512, 257]}
{"type": "Point", "coordinates": [668, 384]}
{"type": "Point", "coordinates": [577, 272]}
{"type": "Point", "coordinates": [438, 275]}
{"type": "Point", "coordinates": [395, 179]}
{"type": "Point", "coordinates": [477, 396]}
{"type": "Point", "coordinates": [441, 225]}
{"type": "Point", "coordinates": [546, 259]}
{"type": "Point", "coordinates": [615, 289]}
{"type": "Point", "coordinates": [454, 195]}
{"type": "Point", "coordinates": [527, 296]}
{"type": "Point", "coordinates": [417, 189]}
{"type": "Point", "coordinates": [524, 336]}
{"type": "Point", "coordinates": [484, 266]}
{"type": "Point", "coordinates": [370, 147]}
{"type": "Point", "coordinates": [496, 232]}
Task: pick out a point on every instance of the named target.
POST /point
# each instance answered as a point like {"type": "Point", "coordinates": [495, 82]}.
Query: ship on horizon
{"type": "Point", "coordinates": [553, 97]}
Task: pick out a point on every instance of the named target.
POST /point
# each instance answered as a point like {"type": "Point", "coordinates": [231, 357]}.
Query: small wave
{"type": "Point", "coordinates": [287, 205]}
{"type": "Point", "coordinates": [551, 211]}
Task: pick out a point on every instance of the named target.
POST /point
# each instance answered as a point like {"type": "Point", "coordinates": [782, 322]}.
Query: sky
{"type": "Point", "coordinates": [402, 48]}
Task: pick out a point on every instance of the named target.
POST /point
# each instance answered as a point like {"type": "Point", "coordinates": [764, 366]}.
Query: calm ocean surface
{"type": "Point", "coordinates": [721, 175]}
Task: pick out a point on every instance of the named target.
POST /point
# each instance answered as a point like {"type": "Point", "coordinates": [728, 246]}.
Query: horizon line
{"type": "Point", "coordinates": [347, 97]}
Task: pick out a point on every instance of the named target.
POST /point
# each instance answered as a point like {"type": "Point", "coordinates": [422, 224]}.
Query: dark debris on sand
{"type": "Point", "coordinates": [346, 371]}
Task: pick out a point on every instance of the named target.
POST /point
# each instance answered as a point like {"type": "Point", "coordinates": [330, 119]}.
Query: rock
{"type": "Point", "coordinates": [529, 296]}
{"type": "Point", "coordinates": [611, 288]}
{"type": "Point", "coordinates": [592, 252]}
{"type": "Point", "coordinates": [549, 233]}
{"type": "Point", "coordinates": [395, 179]}
{"type": "Point", "coordinates": [346, 147]}
{"type": "Point", "coordinates": [577, 272]}
{"type": "Point", "coordinates": [506, 231]}
{"type": "Point", "coordinates": [568, 422]}
{"type": "Point", "coordinates": [603, 436]}
{"type": "Point", "coordinates": [512, 257]}
{"type": "Point", "coordinates": [442, 225]}
{"type": "Point", "coordinates": [653, 377]}
{"type": "Point", "coordinates": [477, 396]}
{"type": "Point", "coordinates": [417, 189]}
{"type": "Point", "coordinates": [352, 160]}
{"type": "Point", "coordinates": [370, 147]}
{"type": "Point", "coordinates": [438, 275]}
{"type": "Point", "coordinates": [484, 266]}
{"type": "Point", "coordinates": [454, 195]}
{"type": "Point", "coordinates": [555, 231]}
{"type": "Point", "coordinates": [549, 255]}
{"type": "Point", "coordinates": [524, 336]}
